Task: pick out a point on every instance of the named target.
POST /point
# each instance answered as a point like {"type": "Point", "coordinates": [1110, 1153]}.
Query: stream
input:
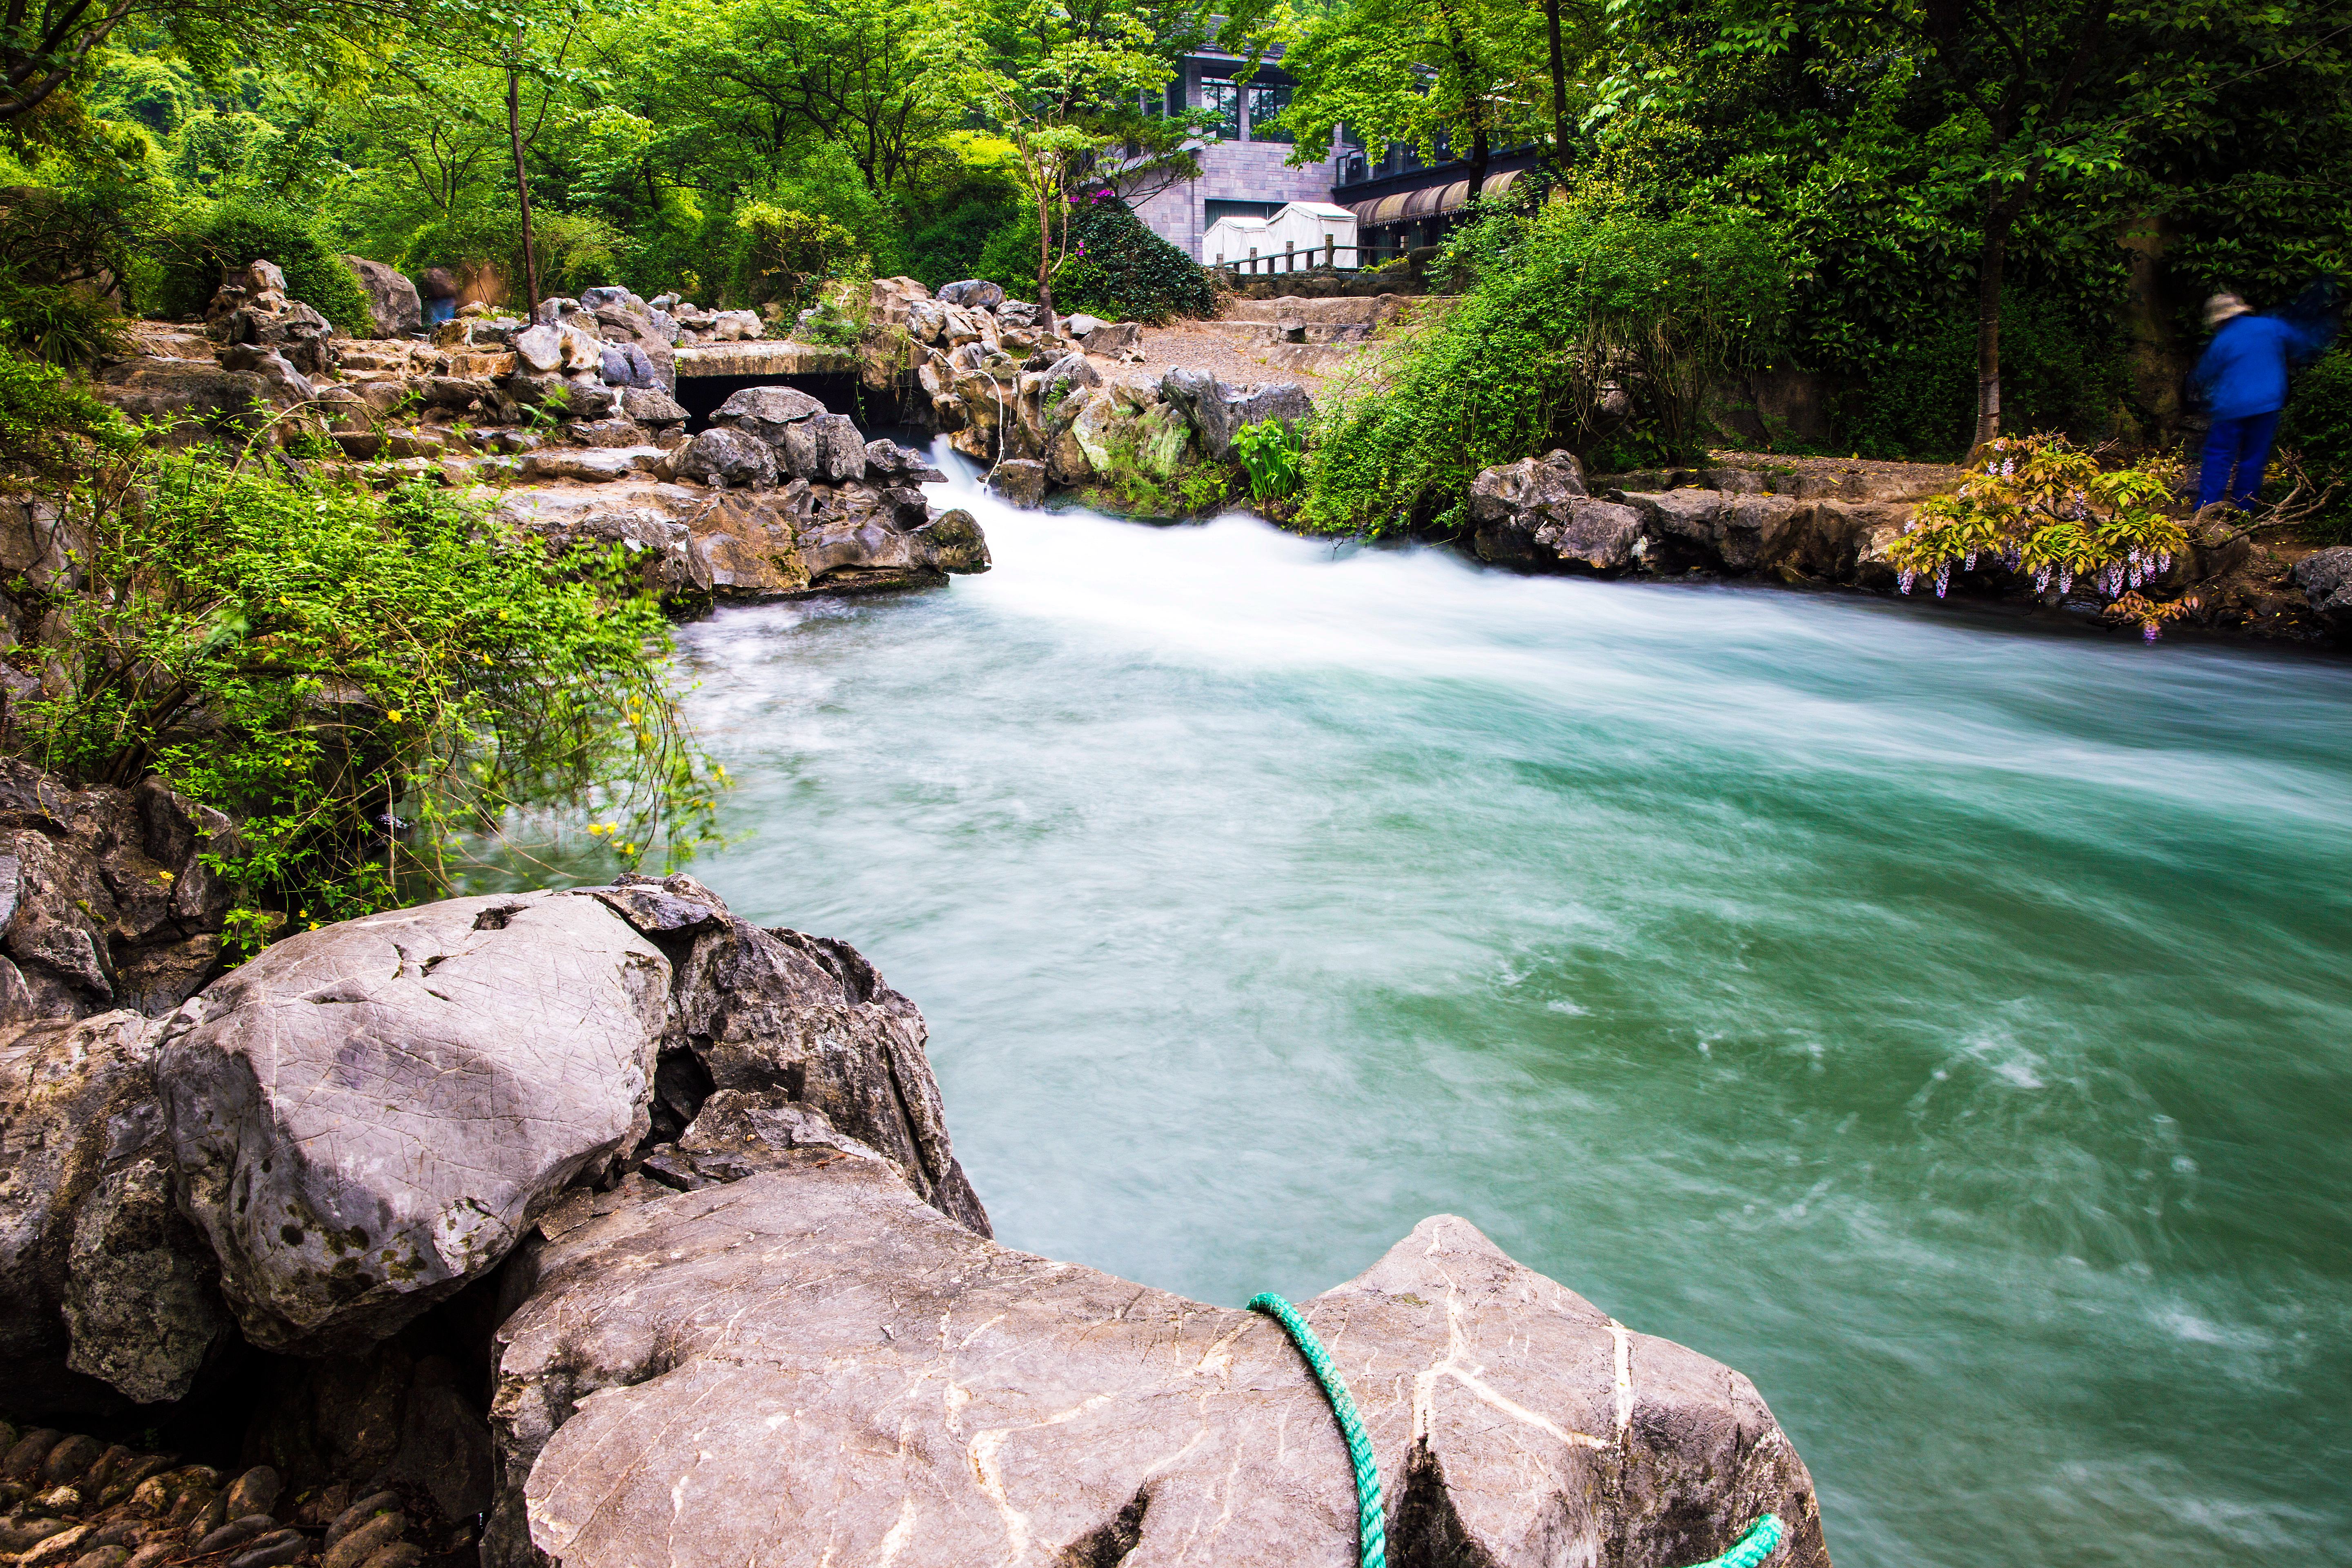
{"type": "Point", "coordinates": [1942, 1017]}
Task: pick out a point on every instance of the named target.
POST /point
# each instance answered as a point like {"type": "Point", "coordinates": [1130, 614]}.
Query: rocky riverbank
{"type": "Point", "coordinates": [1822, 522]}
{"type": "Point", "coordinates": [580, 1226]}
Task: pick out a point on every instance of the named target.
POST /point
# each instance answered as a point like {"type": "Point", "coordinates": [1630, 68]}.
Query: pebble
{"type": "Point", "coordinates": [102, 1557]}
{"type": "Point", "coordinates": [69, 1460]}
{"type": "Point", "coordinates": [272, 1550]}
{"type": "Point", "coordinates": [235, 1532]}
{"type": "Point", "coordinates": [59, 1548]}
{"type": "Point", "coordinates": [23, 1460]}
{"type": "Point", "coordinates": [153, 1553]}
{"type": "Point", "coordinates": [355, 1549]}
{"type": "Point", "coordinates": [359, 1513]}
{"type": "Point", "coordinates": [255, 1491]}
{"type": "Point", "coordinates": [399, 1554]}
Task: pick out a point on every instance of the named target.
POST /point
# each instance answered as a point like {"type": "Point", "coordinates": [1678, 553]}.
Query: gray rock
{"type": "Point", "coordinates": [1216, 411]}
{"type": "Point", "coordinates": [143, 1303]}
{"type": "Point", "coordinates": [938, 1400]}
{"type": "Point", "coordinates": [1737, 530]}
{"type": "Point", "coordinates": [736, 1134]}
{"type": "Point", "coordinates": [722, 457]}
{"type": "Point", "coordinates": [538, 348]}
{"type": "Point", "coordinates": [767, 412]}
{"type": "Point", "coordinates": [626, 364]}
{"type": "Point", "coordinates": [889, 460]}
{"type": "Point", "coordinates": [1114, 339]}
{"type": "Point", "coordinates": [779, 1009]}
{"type": "Point", "coordinates": [840, 448]}
{"type": "Point", "coordinates": [595, 465]}
{"type": "Point", "coordinates": [1019, 480]}
{"type": "Point", "coordinates": [649, 406]}
{"type": "Point", "coordinates": [1080, 324]}
{"type": "Point", "coordinates": [2326, 578]}
{"type": "Point", "coordinates": [610, 295]}
{"type": "Point", "coordinates": [973, 294]}
{"type": "Point", "coordinates": [1536, 514]}
{"type": "Point", "coordinates": [394, 306]}
{"type": "Point", "coordinates": [366, 1117]}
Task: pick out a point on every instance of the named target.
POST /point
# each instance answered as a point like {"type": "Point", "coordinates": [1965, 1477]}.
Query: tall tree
{"type": "Point", "coordinates": [45, 44]}
{"type": "Point", "coordinates": [1060, 83]}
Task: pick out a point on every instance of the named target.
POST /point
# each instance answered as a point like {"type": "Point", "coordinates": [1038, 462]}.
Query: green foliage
{"type": "Point", "coordinates": [1587, 302]}
{"type": "Point", "coordinates": [2318, 429]}
{"type": "Point", "coordinates": [2038, 504]}
{"type": "Point", "coordinates": [244, 229]}
{"type": "Point", "coordinates": [359, 679]}
{"type": "Point", "coordinates": [1270, 452]}
{"type": "Point", "coordinates": [51, 431]}
{"type": "Point", "coordinates": [64, 326]}
{"type": "Point", "coordinates": [574, 250]}
{"type": "Point", "coordinates": [784, 255]}
{"type": "Point", "coordinates": [1117, 268]}
{"type": "Point", "coordinates": [1913, 398]}
{"type": "Point", "coordinates": [948, 231]}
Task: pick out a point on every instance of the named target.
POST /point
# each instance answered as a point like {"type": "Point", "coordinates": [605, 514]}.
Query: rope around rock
{"type": "Point", "coordinates": [1371, 1528]}
{"type": "Point", "coordinates": [1758, 1541]}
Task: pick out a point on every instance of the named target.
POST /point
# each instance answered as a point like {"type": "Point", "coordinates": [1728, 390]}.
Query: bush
{"type": "Point", "coordinates": [1919, 401]}
{"type": "Point", "coordinates": [1573, 308]}
{"type": "Point", "coordinates": [246, 229]}
{"type": "Point", "coordinates": [2318, 429]}
{"type": "Point", "coordinates": [358, 678]}
{"type": "Point", "coordinates": [948, 245]}
{"type": "Point", "coordinates": [783, 254]}
{"type": "Point", "coordinates": [52, 432]}
{"type": "Point", "coordinates": [1115, 268]}
{"type": "Point", "coordinates": [574, 250]}
{"type": "Point", "coordinates": [1270, 451]}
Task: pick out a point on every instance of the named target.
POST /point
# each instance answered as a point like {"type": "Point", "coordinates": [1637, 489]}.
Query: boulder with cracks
{"type": "Point", "coordinates": [810, 1354]}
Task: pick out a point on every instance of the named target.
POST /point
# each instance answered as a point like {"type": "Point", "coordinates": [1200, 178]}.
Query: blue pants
{"type": "Point", "coordinates": [2235, 451]}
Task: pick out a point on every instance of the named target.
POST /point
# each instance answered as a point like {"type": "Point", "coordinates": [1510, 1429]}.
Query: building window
{"type": "Point", "coordinates": [1265, 103]}
{"type": "Point", "coordinates": [1221, 102]}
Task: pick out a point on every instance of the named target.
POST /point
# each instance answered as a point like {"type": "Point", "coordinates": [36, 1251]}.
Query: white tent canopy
{"type": "Point", "coordinates": [1302, 234]}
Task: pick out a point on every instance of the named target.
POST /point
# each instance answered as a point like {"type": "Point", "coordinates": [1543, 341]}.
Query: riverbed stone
{"type": "Point", "coordinates": [722, 458]}
{"type": "Point", "coordinates": [1217, 411]}
{"type": "Point", "coordinates": [368, 1116]}
{"type": "Point", "coordinates": [922, 1396]}
{"type": "Point", "coordinates": [1537, 514]}
{"type": "Point", "coordinates": [2326, 578]}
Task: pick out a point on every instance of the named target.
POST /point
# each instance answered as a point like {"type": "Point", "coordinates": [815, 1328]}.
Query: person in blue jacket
{"type": "Point", "coordinates": [2243, 378]}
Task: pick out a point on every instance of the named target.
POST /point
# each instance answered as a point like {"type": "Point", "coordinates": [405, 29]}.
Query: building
{"type": "Point", "coordinates": [1242, 172]}
{"type": "Point", "coordinates": [1399, 202]}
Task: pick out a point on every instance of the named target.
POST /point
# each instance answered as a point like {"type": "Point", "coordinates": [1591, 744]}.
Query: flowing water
{"type": "Point", "coordinates": [1945, 1020]}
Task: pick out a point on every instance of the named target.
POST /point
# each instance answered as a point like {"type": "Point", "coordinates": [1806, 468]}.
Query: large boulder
{"type": "Point", "coordinates": [394, 308]}
{"type": "Point", "coordinates": [1216, 410]}
{"type": "Point", "coordinates": [810, 1354]}
{"type": "Point", "coordinates": [892, 297]}
{"type": "Point", "coordinates": [1120, 423]}
{"type": "Point", "coordinates": [1536, 514]}
{"type": "Point", "coordinates": [721, 457]}
{"type": "Point", "coordinates": [1738, 530]}
{"type": "Point", "coordinates": [767, 412]}
{"type": "Point", "coordinates": [106, 1293]}
{"type": "Point", "coordinates": [973, 294]}
{"type": "Point", "coordinates": [367, 1116]}
{"type": "Point", "coordinates": [1019, 480]}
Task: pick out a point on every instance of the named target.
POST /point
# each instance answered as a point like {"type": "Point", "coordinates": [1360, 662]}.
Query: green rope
{"type": "Point", "coordinates": [1371, 1528]}
{"type": "Point", "coordinates": [1760, 1542]}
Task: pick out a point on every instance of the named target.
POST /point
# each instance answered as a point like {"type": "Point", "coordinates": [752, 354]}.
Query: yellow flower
{"type": "Point", "coordinates": [392, 714]}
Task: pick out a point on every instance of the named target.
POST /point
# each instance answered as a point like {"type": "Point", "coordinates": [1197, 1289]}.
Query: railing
{"type": "Point", "coordinates": [1326, 259]}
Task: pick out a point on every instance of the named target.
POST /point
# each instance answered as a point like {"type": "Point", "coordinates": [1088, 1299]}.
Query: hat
{"type": "Point", "coordinates": [2221, 307]}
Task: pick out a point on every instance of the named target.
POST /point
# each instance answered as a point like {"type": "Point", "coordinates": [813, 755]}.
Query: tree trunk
{"type": "Point", "coordinates": [1559, 87]}
{"type": "Point", "coordinates": [522, 187]}
{"type": "Point", "coordinates": [2000, 216]}
{"type": "Point", "coordinates": [1045, 260]}
{"type": "Point", "coordinates": [1480, 155]}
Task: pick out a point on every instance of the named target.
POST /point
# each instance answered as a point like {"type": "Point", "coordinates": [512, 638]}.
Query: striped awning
{"type": "Point", "coordinates": [1429, 200]}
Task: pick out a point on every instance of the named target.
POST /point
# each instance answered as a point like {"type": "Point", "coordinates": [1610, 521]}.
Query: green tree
{"type": "Point", "coordinates": [1060, 85]}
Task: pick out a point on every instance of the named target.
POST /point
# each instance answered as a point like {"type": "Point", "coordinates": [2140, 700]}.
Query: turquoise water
{"type": "Point", "coordinates": [1946, 1021]}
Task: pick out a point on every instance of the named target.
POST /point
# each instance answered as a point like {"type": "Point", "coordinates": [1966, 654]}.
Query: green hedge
{"type": "Point", "coordinates": [243, 231]}
{"type": "Point", "coordinates": [1116, 268]}
{"type": "Point", "coordinates": [2318, 429]}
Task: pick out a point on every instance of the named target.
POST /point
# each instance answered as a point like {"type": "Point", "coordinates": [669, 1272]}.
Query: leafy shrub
{"type": "Point", "coordinates": [2058, 372]}
{"type": "Point", "coordinates": [2318, 428]}
{"type": "Point", "coordinates": [573, 250]}
{"type": "Point", "coordinates": [1118, 269]}
{"type": "Point", "coordinates": [784, 255]}
{"type": "Point", "coordinates": [246, 229]}
{"type": "Point", "coordinates": [1585, 305]}
{"type": "Point", "coordinates": [2038, 504]}
{"type": "Point", "coordinates": [68, 249]}
{"type": "Point", "coordinates": [1270, 451]}
{"type": "Point", "coordinates": [1115, 268]}
{"type": "Point", "coordinates": [51, 431]}
{"type": "Point", "coordinates": [358, 678]}
{"type": "Point", "coordinates": [947, 244]}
